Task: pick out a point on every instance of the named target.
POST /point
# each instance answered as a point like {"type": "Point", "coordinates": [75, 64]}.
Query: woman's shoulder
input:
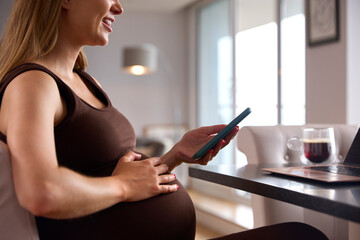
{"type": "Point", "coordinates": [32, 85]}
{"type": "Point", "coordinates": [34, 94]}
{"type": "Point", "coordinates": [33, 79]}
{"type": "Point", "coordinates": [27, 72]}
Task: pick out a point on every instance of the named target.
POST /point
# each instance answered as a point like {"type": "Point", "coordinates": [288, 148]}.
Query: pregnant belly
{"type": "Point", "coordinates": [166, 216]}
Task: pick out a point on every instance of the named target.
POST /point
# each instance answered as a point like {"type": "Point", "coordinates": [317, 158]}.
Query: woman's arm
{"type": "Point", "coordinates": [192, 141]}
{"type": "Point", "coordinates": [31, 107]}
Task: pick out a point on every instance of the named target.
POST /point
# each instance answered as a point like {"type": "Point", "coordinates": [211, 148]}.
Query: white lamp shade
{"type": "Point", "coordinates": [140, 60]}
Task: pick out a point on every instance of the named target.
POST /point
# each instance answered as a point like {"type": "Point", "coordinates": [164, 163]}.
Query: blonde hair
{"type": "Point", "coordinates": [31, 32]}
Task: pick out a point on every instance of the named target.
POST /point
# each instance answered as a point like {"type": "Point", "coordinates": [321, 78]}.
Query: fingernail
{"type": "Point", "coordinates": [223, 142]}
{"type": "Point", "coordinates": [175, 176]}
{"type": "Point", "coordinates": [177, 187]}
{"type": "Point", "coordinates": [211, 151]}
{"type": "Point", "coordinates": [237, 127]}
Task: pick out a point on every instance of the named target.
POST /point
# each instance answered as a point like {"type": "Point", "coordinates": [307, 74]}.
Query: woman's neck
{"type": "Point", "coordinates": [61, 60]}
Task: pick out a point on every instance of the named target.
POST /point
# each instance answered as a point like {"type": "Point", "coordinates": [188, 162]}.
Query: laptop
{"type": "Point", "coordinates": [348, 171]}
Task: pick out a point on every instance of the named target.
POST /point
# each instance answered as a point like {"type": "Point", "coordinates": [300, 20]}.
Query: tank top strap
{"type": "Point", "coordinates": [28, 67]}
{"type": "Point", "coordinates": [95, 87]}
{"type": "Point", "coordinates": [64, 90]}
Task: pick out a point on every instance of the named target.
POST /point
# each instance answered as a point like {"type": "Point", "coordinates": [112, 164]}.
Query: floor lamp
{"type": "Point", "coordinates": [140, 60]}
{"type": "Point", "coordinates": [143, 59]}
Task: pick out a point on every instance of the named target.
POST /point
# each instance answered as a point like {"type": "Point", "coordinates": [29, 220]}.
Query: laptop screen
{"type": "Point", "coordinates": [353, 156]}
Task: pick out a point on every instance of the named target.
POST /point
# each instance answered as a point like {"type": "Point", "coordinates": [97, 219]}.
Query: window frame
{"type": "Point", "coordinates": [221, 191]}
{"type": "Point", "coordinates": [196, 184]}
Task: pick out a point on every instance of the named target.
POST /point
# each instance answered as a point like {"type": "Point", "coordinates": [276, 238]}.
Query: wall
{"type": "Point", "coordinates": [353, 62]}
{"type": "Point", "coordinates": [5, 8]}
{"type": "Point", "coordinates": [333, 73]}
{"type": "Point", "coordinates": [326, 78]}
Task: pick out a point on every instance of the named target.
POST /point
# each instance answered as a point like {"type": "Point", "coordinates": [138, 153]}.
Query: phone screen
{"type": "Point", "coordinates": [225, 131]}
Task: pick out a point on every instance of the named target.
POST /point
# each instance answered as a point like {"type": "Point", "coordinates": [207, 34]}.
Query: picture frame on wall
{"type": "Point", "coordinates": [322, 21]}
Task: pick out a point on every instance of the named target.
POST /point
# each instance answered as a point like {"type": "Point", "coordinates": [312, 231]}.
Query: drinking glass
{"type": "Point", "coordinates": [316, 146]}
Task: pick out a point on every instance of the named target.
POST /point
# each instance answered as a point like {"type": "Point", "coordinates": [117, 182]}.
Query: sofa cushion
{"type": "Point", "coordinates": [15, 221]}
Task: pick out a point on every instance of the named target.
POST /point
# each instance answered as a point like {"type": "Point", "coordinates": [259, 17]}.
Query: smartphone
{"type": "Point", "coordinates": [225, 131]}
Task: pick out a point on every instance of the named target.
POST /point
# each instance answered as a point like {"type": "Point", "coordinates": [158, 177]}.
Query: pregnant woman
{"type": "Point", "coordinates": [72, 152]}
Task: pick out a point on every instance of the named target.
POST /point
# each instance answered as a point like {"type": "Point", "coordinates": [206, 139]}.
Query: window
{"type": "Point", "coordinates": [250, 54]}
{"type": "Point", "coordinates": [256, 59]}
{"type": "Point", "coordinates": [215, 81]}
{"type": "Point", "coordinates": [292, 62]}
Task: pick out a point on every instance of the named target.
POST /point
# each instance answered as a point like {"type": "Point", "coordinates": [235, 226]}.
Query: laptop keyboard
{"type": "Point", "coordinates": [339, 169]}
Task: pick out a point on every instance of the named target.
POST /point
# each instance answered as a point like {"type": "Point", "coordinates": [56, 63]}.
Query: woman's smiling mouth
{"type": "Point", "coordinates": [107, 23]}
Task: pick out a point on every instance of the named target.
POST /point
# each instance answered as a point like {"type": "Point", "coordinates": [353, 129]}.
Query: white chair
{"type": "Point", "coordinates": [15, 221]}
{"type": "Point", "coordinates": [268, 144]}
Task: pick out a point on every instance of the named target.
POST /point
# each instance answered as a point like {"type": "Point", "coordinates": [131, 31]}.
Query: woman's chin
{"type": "Point", "coordinates": [104, 42]}
{"type": "Point", "coordinates": [99, 42]}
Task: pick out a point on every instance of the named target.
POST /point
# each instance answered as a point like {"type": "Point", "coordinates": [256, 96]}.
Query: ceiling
{"type": "Point", "coordinates": [155, 5]}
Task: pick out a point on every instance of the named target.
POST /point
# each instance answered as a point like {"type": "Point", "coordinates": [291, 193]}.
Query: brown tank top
{"type": "Point", "coordinates": [90, 141]}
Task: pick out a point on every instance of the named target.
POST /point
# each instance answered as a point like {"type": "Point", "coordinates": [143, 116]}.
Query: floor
{"type": "Point", "coordinates": [231, 214]}
{"type": "Point", "coordinates": [203, 233]}
{"type": "Point", "coordinates": [239, 214]}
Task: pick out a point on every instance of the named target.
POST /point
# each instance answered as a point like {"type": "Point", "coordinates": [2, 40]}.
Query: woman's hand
{"type": "Point", "coordinates": [143, 179]}
{"type": "Point", "coordinates": [192, 141]}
